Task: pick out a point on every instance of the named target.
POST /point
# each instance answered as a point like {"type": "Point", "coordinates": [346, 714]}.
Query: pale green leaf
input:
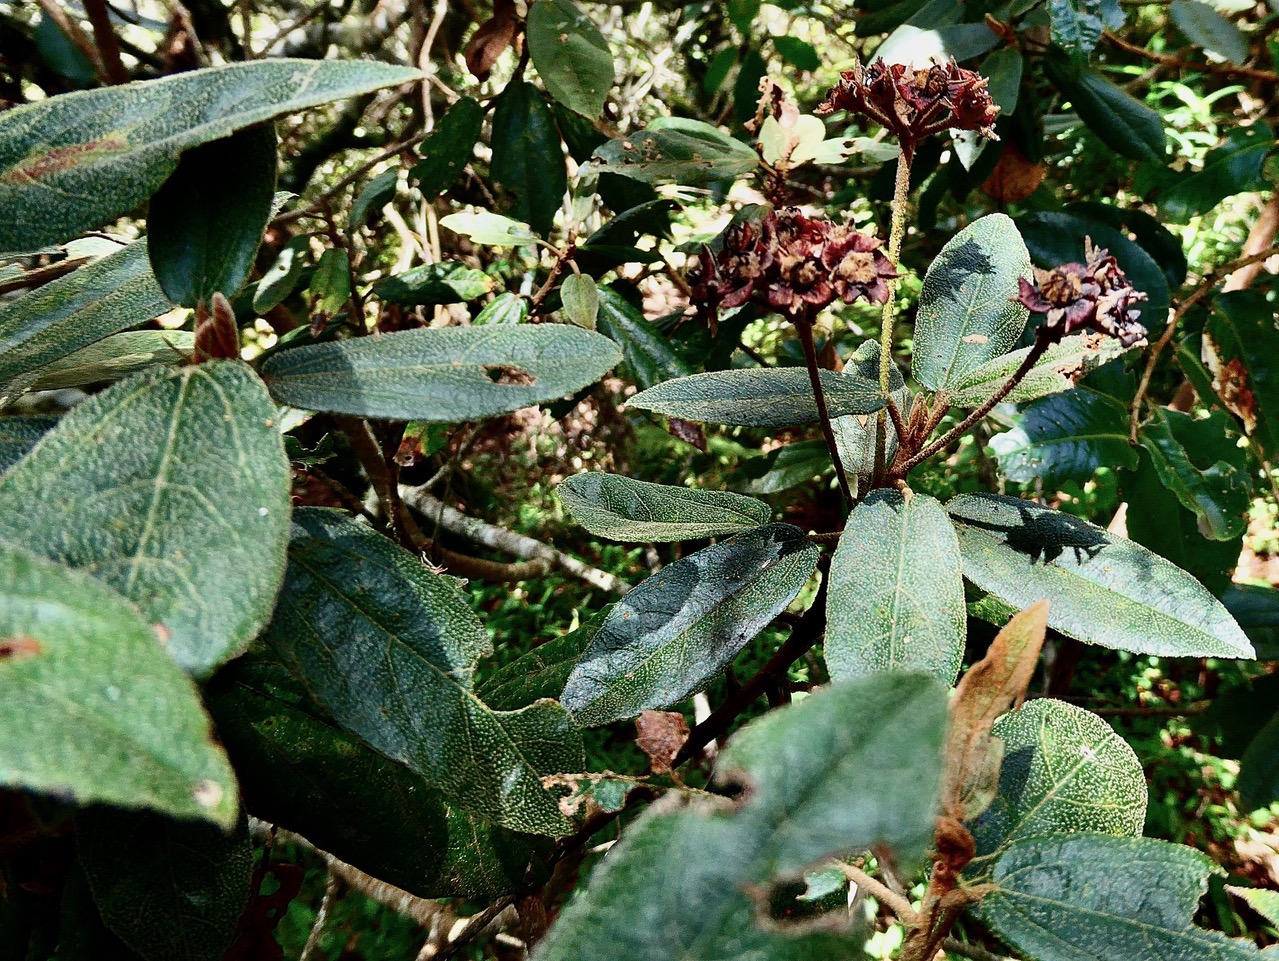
{"type": "Point", "coordinates": [622, 509]}
{"type": "Point", "coordinates": [492, 230]}
{"type": "Point", "coordinates": [116, 357]}
{"type": "Point", "coordinates": [444, 282]}
{"type": "Point", "coordinates": [1061, 367]}
{"type": "Point", "coordinates": [1261, 900]}
{"type": "Point", "coordinates": [581, 299]}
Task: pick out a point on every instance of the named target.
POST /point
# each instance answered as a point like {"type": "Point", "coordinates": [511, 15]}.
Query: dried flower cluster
{"type": "Point", "coordinates": [1095, 296]}
{"type": "Point", "coordinates": [915, 103]}
{"type": "Point", "coordinates": [795, 264]}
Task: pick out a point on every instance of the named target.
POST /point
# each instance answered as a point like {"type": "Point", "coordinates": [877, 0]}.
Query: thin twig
{"type": "Point", "coordinates": [974, 951]}
{"type": "Point", "coordinates": [895, 902]}
{"type": "Point", "coordinates": [1226, 69]}
{"type": "Point", "coordinates": [41, 275]}
{"type": "Point", "coordinates": [474, 928]}
{"type": "Point", "coordinates": [804, 327]}
{"type": "Point", "coordinates": [104, 36]}
{"type": "Point", "coordinates": [313, 209]}
{"type": "Point", "coordinates": [332, 891]}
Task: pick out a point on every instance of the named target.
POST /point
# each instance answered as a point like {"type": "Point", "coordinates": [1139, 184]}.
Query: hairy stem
{"type": "Point", "coordinates": [901, 195]}
{"type": "Point", "coordinates": [805, 329]}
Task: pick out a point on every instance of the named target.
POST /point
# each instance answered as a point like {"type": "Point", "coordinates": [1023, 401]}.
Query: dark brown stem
{"type": "Point", "coordinates": [1226, 69]}
{"type": "Point", "coordinates": [805, 634]}
{"type": "Point", "coordinates": [804, 327]}
{"type": "Point", "coordinates": [104, 37]}
{"type": "Point", "coordinates": [895, 413]}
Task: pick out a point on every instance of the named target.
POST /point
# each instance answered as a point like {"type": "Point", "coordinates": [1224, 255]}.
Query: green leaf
{"type": "Point", "coordinates": [581, 300]}
{"type": "Point", "coordinates": [570, 54]}
{"type": "Point", "coordinates": [115, 358]}
{"type": "Point", "coordinates": [1104, 590]}
{"type": "Point", "coordinates": [19, 434]}
{"type": "Point", "coordinates": [1256, 608]}
{"type": "Point", "coordinates": [1076, 26]}
{"type": "Point", "coordinates": [912, 44]}
{"type": "Point", "coordinates": [1234, 166]}
{"type": "Point", "coordinates": [1120, 121]}
{"type": "Point", "coordinates": [330, 286]}
{"type": "Point", "coordinates": [806, 796]}
{"type": "Point", "coordinates": [896, 591]}
{"type": "Point", "coordinates": [282, 277]}
{"type": "Point", "coordinates": [1206, 28]}
{"type": "Point", "coordinates": [543, 671]}
{"type": "Point", "coordinates": [449, 148]}
{"type": "Point", "coordinates": [647, 356]}
{"type": "Point", "coordinates": [682, 626]}
{"type": "Point", "coordinates": [299, 770]}
{"type": "Point", "coordinates": [743, 13]}
{"type": "Point", "coordinates": [798, 53]}
{"type": "Point", "coordinates": [172, 487]}
{"type": "Point", "coordinates": [1065, 437]}
{"type": "Point", "coordinates": [388, 649]}
{"type": "Point", "coordinates": [1258, 782]}
{"type": "Point", "coordinates": [91, 707]}
{"type": "Point", "coordinates": [373, 196]}
{"type": "Point", "coordinates": [967, 312]}
{"type": "Point", "coordinates": [102, 298]}
{"type": "Point", "coordinates": [490, 229]}
{"type": "Point", "coordinates": [1241, 350]}
{"type": "Point", "coordinates": [505, 308]}
{"type": "Point", "coordinates": [622, 509]}
{"type": "Point", "coordinates": [677, 150]}
{"type": "Point", "coordinates": [796, 463]}
{"type": "Point", "coordinates": [445, 282]}
{"type": "Point", "coordinates": [1064, 771]}
{"type": "Point", "coordinates": [759, 397]}
{"type": "Point", "coordinates": [1203, 466]}
{"type": "Point", "coordinates": [204, 228]}
{"type": "Point", "coordinates": [1265, 903]}
{"type": "Point", "coordinates": [1094, 897]}
{"type": "Point", "coordinates": [73, 162]}
{"type": "Point", "coordinates": [165, 888]}
{"type": "Point", "coordinates": [528, 161]}
{"type": "Point", "coordinates": [1003, 68]}
{"type": "Point", "coordinates": [1061, 367]}
{"type": "Point", "coordinates": [445, 375]}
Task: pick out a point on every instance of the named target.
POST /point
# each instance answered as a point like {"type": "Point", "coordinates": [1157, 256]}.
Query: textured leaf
{"type": "Point", "coordinates": [1264, 902]}
{"type": "Point", "coordinates": [282, 277]}
{"type": "Point", "coordinates": [896, 592]}
{"type": "Point", "coordinates": [581, 299]}
{"type": "Point", "coordinates": [373, 196]}
{"type": "Point", "coordinates": [388, 649]}
{"type": "Point", "coordinates": [204, 228]}
{"type": "Point", "coordinates": [1076, 26]}
{"type": "Point", "coordinates": [677, 150]}
{"type": "Point", "coordinates": [1206, 28]}
{"type": "Point", "coordinates": [1061, 367]}
{"type": "Point", "coordinates": [445, 282]}
{"type": "Point", "coordinates": [784, 468]}
{"type": "Point", "coordinates": [622, 509]}
{"type": "Point", "coordinates": [444, 374]}
{"type": "Point", "coordinates": [1199, 461]}
{"type": "Point", "coordinates": [647, 355]}
{"type": "Point", "coordinates": [299, 770]}
{"type": "Point", "coordinates": [171, 891]}
{"type": "Point", "coordinates": [759, 397]}
{"type": "Point", "coordinates": [682, 626]}
{"type": "Point", "coordinates": [806, 797]}
{"type": "Point", "coordinates": [1120, 121]}
{"type": "Point", "coordinates": [1240, 347]}
{"type": "Point", "coordinates": [1065, 437]}
{"type": "Point", "coordinates": [1104, 589]}
{"type": "Point", "coordinates": [543, 671]}
{"type": "Point", "coordinates": [527, 157]}
{"type": "Point", "coordinates": [112, 294]}
{"type": "Point", "coordinates": [966, 312]}
{"type": "Point", "coordinates": [448, 149]}
{"type": "Point", "coordinates": [73, 162]}
{"type": "Point", "coordinates": [1235, 165]}
{"type": "Point", "coordinates": [115, 358]}
{"type": "Point", "coordinates": [1094, 897]}
{"type": "Point", "coordinates": [19, 434]}
{"type": "Point", "coordinates": [1064, 771]}
{"type": "Point", "coordinates": [172, 487]}
{"type": "Point", "coordinates": [330, 285]}
{"type": "Point", "coordinates": [91, 708]}
{"type": "Point", "coordinates": [570, 54]}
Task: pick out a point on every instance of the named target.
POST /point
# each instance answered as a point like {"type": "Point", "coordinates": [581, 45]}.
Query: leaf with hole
{"type": "Point", "coordinates": [622, 509]}
{"type": "Point", "coordinates": [677, 150]}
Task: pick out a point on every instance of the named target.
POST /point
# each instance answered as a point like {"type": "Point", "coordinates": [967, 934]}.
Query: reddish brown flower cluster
{"type": "Point", "coordinates": [795, 264]}
{"type": "Point", "coordinates": [913, 102]}
{"type": "Point", "coordinates": [1095, 296]}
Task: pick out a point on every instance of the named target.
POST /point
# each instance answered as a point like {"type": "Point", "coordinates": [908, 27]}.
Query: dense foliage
{"type": "Point", "coordinates": [638, 481]}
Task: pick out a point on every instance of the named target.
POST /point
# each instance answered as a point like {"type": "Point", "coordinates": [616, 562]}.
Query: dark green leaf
{"type": "Point", "coordinates": [282, 277]}
{"type": "Point", "coordinates": [1094, 897]}
{"type": "Point", "coordinates": [73, 162]}
{"type": "Point", "coordinates": [1200, 462]}
{"type": "Point", "coordinates": [1256, 608]}
{"type": "Point", "coordinates": [505, 308]}
{"type": "Point", "coordinates": [651, 219]}
{"type": "Point", "coordinates": [1060, 368]}
{"type": "Point", "coordinates": [581, 300]}
{"type": "Point", "coordinates": [1003, 69]}
{"type": "Point", "coordinates": [743, 14]}
{"type": "Point", "coordinates": [173, 488]}
{"type": "Point", "coordinates": [19, 434]}
{"type": "Point", "coordinates": [116, 357]}
{"type": "Point", "coordinates": [1206, 28]}
{"type": "Point", "coordinates": [388, 649]}
{"type": "Point", "coordinates": [1076, 26]}
{"type": "Point", "coordinates": [330, 286]}
{"type": "Point", "coordinates": [170, 890]}
{"type": "Point", "coordinates": [647, 356]}
{"type": "Point", "coordinates": [446, 374]}
{"type": "Point", "coordinates": [623, 509]}
{"type": "Point", "coordinates": [297, 769]}
{"type": "Point", "coordinates": [760, 397]}
{"type": "Point", "coordinates": [570, 54]}
{"type": "Point", "coordinates": [528, 160]}
{"type": "Point", "coordinates": [92, 709]}
{"type": "Point", "coordinates": [967, 312]}
{"type": "Point", "coordinates": [1064, 771]}
{"type": "Point", "coordinates": [112, 294]}
{"type": "Point", "coordinates": [800, 54]}
{"type": "Point", "coordinates": [677, 150]}
{"type": "Point", "coordinates": [784, 468]}
{"type": "Point", "coordinates": [1145, 230]}
{"type": "Point", "coordinates": [375, 195]}
{"type": "Point", "coordinates": [1241, 350]}
{"type": "Point", "coordinates": [1259, 768]}
{"type": "Point", "coordinates": [896, 591]}
{"type": "Point", "coordinates": [1065, 437]}
{"type": "Point", "coordinates": [806, 796]}
{"type": "Point", "coordinates": [682, 626]}
{"type": "Point", "coordinates": [448, 149]}
{"type": "Point", "coordinates": [543, 671]}
{"type": "Point", "coordinates": [1234, 166]}
{"type": "Point", "coordinates": [204, 228]}
{"type": "Point", "coordinates": [1104, 590]}
{"type": "Point", "coordinates": [445, 282]}
{"type": "Point", "coordinates": [1120, 121]}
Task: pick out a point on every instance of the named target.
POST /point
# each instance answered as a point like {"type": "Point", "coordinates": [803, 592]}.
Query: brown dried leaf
{"type": "Point", "coordinates": [217, 337]}
{"type": "Point", "coordinates": [993, 686]}
{"type": "Point", "coordinates": [491, 40]}
{"type": "Point", "coordinates": [660, 736]}
{"type": "Point", "coordinates": [1230, 381]}
{"type": "Point", "coordinates": [688, 432]}
{"type": "Point", "coordinates": [1014, 178]}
